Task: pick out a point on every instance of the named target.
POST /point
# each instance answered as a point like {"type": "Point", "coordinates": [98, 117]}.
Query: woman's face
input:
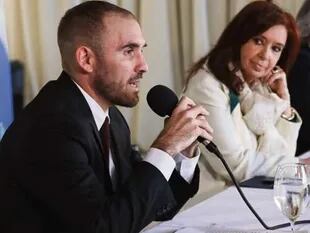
{"type": "Point", "coordinates": [261, 53]}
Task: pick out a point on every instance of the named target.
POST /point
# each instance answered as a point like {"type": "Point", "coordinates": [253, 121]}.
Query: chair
{"type": "Point", "coordinates": [6, 102]}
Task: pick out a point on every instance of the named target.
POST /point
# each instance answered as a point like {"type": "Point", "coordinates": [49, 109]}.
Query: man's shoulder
{"type": "Point", "coordinates": [58, 105]}
{"type": "Point", "coordinates": [117, 117]}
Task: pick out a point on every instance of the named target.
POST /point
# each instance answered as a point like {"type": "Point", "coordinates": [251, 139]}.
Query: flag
{"type": "Point", "coordinates": [6, 103]}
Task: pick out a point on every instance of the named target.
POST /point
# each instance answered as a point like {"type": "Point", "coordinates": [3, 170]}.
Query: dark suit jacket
{"type": "Point", "coordinates": [52, 175]}
{"type": "Point", "coordinates": [299, 86]}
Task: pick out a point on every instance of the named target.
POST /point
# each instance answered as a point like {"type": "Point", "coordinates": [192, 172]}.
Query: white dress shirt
{"type": "Point", "coordinates": [158, 158]}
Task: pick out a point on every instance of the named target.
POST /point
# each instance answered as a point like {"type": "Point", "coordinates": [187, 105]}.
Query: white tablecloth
{"type": "Point", "coordinates": [226, 212]}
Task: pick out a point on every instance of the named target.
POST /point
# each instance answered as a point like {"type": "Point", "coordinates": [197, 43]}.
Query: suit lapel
{"type": "Point", "coordinates": [120, 149]}
{"type": "Point", "coordinates": [81, 110]}
{"type": "Point", "coordinates": [120, 135]}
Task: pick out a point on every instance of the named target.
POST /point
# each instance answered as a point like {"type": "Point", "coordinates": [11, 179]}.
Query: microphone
{"type": "Point", "coordinates": [163, 100]}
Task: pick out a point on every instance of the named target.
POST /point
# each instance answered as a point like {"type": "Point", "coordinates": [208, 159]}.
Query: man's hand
{"type": "Point", "coordinates": [190, 151]}
{"type": "Point", "coordinates": [187, 122]}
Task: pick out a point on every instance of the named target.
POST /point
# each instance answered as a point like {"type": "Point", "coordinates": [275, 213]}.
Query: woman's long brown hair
{"type": "Point", "coordinates": [254, 19]}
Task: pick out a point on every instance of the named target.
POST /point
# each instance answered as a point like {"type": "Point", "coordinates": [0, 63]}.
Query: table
{"type": "Point", "coordinates": [226, 212]}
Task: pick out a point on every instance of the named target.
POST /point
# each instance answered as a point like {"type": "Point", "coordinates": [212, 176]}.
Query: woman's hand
{"type": "Point", "coordinates": [305, 161]}
{"type": "Point", "coordinates": [277, 82]}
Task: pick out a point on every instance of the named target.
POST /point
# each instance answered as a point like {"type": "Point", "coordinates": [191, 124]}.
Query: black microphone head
{"type": "Point", "coordinates": [162, 100]}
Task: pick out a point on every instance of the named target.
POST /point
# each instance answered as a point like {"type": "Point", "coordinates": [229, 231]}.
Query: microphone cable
{"type": "Point", "coordinates": [218, 154]}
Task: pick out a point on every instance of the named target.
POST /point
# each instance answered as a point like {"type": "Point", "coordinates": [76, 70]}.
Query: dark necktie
{"type": "Point", "coordinates": [105, 138]}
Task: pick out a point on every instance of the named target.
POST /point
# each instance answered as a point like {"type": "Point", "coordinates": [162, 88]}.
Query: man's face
{"type": "Point", "coordinates": [120, 64]}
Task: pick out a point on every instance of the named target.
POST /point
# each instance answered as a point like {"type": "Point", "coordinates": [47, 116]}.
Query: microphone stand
{"type": "Point", "coordinates": [213, 149]}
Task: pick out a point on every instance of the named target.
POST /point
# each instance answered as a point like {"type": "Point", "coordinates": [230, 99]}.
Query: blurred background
{"type": "Point", "coordinates": [178, 32]}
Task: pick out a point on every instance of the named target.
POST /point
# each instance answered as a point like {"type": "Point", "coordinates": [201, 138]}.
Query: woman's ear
{"type": "Point", "coordinates": [85, 58]}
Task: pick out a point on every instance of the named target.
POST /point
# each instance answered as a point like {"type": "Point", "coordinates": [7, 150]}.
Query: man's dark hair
{"type": "Point", "coordinates": [83, 24]}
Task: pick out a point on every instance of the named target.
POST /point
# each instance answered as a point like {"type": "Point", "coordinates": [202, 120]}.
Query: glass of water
{"type": "Point", "coordinates": [290, 190]}
{"type": "Point", "coordinates": [307, 201]}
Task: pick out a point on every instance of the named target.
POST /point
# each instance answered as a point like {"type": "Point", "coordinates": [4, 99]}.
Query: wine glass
{"type": "Point", "coordinates": [307, 201]}
{"type": "Point", "coordinates": [290, 190]}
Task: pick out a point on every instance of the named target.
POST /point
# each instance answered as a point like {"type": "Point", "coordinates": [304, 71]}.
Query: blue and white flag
{"type": "Point", "coordinates": [6, 102]}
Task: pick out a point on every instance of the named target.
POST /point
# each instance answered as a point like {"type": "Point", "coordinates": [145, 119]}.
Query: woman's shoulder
{"type": "Point", "coordinates": [204, 78]}
{"type": "Point", "coordinates": [205, 87]}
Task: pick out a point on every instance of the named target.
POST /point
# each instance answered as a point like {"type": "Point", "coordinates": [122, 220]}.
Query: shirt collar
{"type": "Point", "coordinates": [97, 112]}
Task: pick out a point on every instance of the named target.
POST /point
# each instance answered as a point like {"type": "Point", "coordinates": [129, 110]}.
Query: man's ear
{"type": "Point", "coordinates": [85, 58]}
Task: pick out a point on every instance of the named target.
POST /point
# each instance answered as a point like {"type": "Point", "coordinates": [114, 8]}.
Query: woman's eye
{"type": "Point", "coordinates": [277, 49]}
{"type": "Point", "coordinates": [258, 41]}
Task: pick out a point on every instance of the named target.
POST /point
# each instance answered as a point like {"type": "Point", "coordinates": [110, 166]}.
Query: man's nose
{"type": "Point", "coordinates": [141, 66]}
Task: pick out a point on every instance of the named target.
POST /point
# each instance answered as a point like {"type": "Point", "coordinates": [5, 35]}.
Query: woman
{"type": "Point", "coordinates": [299, 80]}
{"type": "Point", "coordinates": [242, 83]}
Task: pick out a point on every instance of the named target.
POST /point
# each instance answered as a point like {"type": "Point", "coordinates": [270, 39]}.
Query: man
{"type": "Point", "coordinates": [58, 173]}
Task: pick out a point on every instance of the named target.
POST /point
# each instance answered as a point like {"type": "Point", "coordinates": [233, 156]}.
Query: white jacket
{"type": "Point", "coordinates": [253, 138]}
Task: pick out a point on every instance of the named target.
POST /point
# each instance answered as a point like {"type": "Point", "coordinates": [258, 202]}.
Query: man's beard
{"type": "Point", "coordinates": [115, 94]}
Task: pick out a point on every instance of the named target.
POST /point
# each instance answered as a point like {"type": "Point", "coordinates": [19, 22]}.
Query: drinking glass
{"type": "Point", "coordinates": [307, 201]}
{"type": "Point", "coordinates": [290, 190]}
